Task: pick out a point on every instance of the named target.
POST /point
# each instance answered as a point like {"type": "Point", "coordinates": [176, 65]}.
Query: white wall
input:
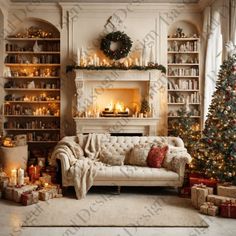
{"type": "Point", "coordinates": [82, 24]}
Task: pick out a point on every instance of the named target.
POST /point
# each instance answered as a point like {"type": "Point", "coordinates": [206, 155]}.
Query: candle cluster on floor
{"type": "Point", "coordinates": [28, 190]}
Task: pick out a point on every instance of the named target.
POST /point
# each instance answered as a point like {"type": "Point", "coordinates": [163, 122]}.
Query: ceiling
{"type": "Point", "coordinates": [109, 1]}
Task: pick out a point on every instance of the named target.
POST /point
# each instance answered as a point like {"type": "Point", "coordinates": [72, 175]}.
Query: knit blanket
{"type": "Point", "coordinates": [84, 162]}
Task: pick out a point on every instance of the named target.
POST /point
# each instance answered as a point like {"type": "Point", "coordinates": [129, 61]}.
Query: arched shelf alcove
{"type": "Point", "coordinates": [37, 23]}
{"type": "Point", "coordinates": [189, 29]}
{"type": "Point", "coordinates": [184, 74]}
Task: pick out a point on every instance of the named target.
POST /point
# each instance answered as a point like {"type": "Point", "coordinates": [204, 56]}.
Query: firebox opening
{"type": "Point", "coordinates": [118, 101]}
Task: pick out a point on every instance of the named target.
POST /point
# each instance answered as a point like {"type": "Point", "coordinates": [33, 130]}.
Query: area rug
{"type": "Point", "coordinates": [125, 210]}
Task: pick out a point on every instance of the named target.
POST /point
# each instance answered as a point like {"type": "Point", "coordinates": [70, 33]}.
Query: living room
{"type": "Point", "coordinates": [118, 117]}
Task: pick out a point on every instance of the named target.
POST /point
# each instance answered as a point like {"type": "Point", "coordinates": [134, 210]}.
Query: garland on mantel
{"type": "Point", "coordinates": [115, 67]}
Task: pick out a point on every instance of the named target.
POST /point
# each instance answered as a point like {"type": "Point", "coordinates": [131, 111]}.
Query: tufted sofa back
{"type": "Point", "coordinates": [121, 145]}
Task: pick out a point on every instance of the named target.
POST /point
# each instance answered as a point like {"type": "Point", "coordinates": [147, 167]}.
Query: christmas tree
{"type": "Point", "coordinates": [216, 155]}
{"type": "Point", "coordinates": [186, 128]}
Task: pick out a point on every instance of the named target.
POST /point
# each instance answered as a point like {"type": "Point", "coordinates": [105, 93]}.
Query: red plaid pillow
{"type": "Point", "coordinates": [156, 156]}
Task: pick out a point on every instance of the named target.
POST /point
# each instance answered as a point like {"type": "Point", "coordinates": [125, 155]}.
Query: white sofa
{"type": "Point", "coordinates": [127, 175]}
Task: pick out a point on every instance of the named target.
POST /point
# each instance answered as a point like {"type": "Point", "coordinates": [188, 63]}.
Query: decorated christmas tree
{"type": "Point", "coordinates": [186, 128]}
{"type": "Point", "coordinates": [216, 155]}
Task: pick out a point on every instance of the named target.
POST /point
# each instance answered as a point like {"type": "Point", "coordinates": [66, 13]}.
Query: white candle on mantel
{"type": "Point", "coordinates": [95, 60]}
{"type": "Point", "coordinates": [78, 56]}
{"type": "Point", "coordinates": [136, 61]}
{"type": "Point", "coordinates": [13, 177]}
{"type": "Point", "coordinates": [20, 178]}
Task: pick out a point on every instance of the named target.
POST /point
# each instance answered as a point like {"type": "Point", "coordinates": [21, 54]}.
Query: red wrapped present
{"type": "Point", "coordinates": [208, 182]}
{"type": "Point", "coordinates": [228, 209]}
{"type": "Point", "coordinates": [29, 198]}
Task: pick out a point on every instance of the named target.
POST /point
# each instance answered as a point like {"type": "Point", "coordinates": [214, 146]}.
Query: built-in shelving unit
{"type": "Point", "coordinates": [32, 87]}
{"type": "Point", "coordinates": [183, 71]}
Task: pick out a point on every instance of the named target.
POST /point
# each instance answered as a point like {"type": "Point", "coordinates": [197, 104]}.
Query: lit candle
{"type": "Point", "coordinates": [126, 63]}
{"type": "Point", "coordinates": [20, 178]}
{"type": "Point", "coordinates": [95, 60]}
{"type": "Point", "coordinates": [46, 185]}
{"type": "Point", "coordinates": [127, 110]}
{"type": "Point", "coordinates": [13, 177]}
{"type": "Point", "coordinates": [78, 56]}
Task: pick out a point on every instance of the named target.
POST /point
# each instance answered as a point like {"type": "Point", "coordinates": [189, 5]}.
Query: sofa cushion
{"type": "Point", "coordinates": [138, 154]}
{"type": "Point", "coordinates": [135, 173]}
{"type": "Point", "coordinates": [156, 156]}
{"type": "Point", "coordinates": [109, 158]}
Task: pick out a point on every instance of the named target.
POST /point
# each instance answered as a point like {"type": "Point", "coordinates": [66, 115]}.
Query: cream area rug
{"type": "Point", "coordinates": [125, 210]}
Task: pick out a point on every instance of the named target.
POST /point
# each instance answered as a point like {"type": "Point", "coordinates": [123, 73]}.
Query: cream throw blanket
{"type": "Point", "coordinates": [83, 166]}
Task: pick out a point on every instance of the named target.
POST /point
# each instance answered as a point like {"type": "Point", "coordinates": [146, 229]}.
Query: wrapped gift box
{"type": "Point", "coordinates": [17, 192]}
{"type": "Point", "coordinates": [208, 208]}
{"type": "Point", "coordinates": [218, 200]}
{"type": "Point", "coordinates": [199, 194]}
{"type": "Point", "coordinates": [208, 182]}
{"type": "Point", "coordinates": [29, 198]}
{"type": "Point", "coordinates": [226, 190]}
{"type": "Point", "coordinates": [47, 193]}
{"type": "Point", "coordinates": [45, 179]}
{"type": "Point", "coordinates": [228, 209]}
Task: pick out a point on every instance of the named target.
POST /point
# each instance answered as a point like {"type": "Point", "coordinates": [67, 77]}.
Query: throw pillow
{"type": "Point", "coordinates": [110, 158]}
{"type": "Point", "coordinates": [138, 154]}
{"type": "Point", "coordinates": [156, 156]}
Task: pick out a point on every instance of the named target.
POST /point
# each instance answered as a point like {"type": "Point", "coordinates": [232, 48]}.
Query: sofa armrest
{"type": "Point", "coordinates": [178, 163]}
{"type": "Point", "coordinates": [62, 156]}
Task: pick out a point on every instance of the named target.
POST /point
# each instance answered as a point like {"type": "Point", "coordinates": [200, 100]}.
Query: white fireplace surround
{"type": "Point", "coordinates": [151, 84]}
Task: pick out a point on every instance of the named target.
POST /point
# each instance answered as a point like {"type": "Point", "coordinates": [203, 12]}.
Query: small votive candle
{"type": "Point", "coordinates": [46, 185]}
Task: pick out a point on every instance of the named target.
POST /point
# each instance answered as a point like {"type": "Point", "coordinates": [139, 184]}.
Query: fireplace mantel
{"type": "Point", "coordinates": [145, 126]}
{"type": "Point", "coordinates": [151, 83]}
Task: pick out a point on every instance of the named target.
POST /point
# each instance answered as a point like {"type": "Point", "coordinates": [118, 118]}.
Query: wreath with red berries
{"type": "Point", "coordinates": [122, 51]}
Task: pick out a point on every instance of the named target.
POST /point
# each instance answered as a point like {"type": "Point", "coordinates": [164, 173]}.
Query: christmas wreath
{"type": "Point", "coordinates": [122, 51]}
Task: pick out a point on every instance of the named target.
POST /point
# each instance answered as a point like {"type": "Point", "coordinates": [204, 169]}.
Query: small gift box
{"type": "Point", "coordinates": [228, 209]}
{"type": "Point", "coordinates": [218, 200]}
{"type": "Point", "coordinates": [47, 193]}
{"type": "Point", "coordinates": [208, 208]}
{"type": "Point", "coordinates": [45, 179]}
{"type": "Point", "coordinates": [199, 193]}
{"type": "Point", "coordinates": [17, 192]}
{"type": "Point", "coordinates": [226, 190]}
{"type": "Point", "coordinates": [29, 198]}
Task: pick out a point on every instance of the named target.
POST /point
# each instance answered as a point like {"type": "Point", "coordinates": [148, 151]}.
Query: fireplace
{"type": "Point", "coordinates": [110, 101]}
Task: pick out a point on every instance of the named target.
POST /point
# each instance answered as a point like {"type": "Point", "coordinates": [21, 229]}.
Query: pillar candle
{"type": "Point", "coordinates": [20, 178]}
{"type": "Point", "coordinates": [13, 177]}
{"type": "Point", "coordinates": [78, 56]}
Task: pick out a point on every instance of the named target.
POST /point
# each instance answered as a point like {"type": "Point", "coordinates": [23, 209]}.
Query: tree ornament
{"type": "Point", "coordinates": [123, 49]}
